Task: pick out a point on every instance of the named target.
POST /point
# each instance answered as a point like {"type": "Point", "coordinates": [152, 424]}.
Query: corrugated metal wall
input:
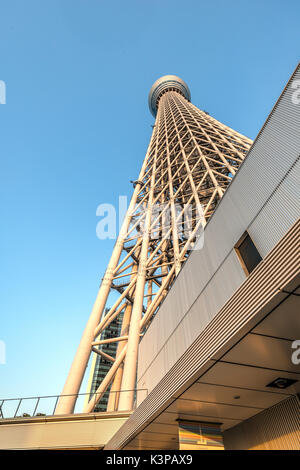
{"type": "Point", "coordinates": [281, 211]}
{"type": "Point", "coordinates": [186, 330]}
{"type": "Point", "coordinates": [277, 428]}
{"type": "Point", "coordinates": [282, 266]}
{"type": "Point", "coordinates": [263, 199]}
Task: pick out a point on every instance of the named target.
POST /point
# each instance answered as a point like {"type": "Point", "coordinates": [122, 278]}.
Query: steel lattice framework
{"type": "Point", "coordinates": [191, 160]}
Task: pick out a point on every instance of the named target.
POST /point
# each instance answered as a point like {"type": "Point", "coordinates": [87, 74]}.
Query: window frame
{"type": "Point", "coordinates": [239, 255]}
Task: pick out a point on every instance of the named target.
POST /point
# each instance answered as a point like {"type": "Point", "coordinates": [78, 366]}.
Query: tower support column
{"type": "Point", "coordinates": [72, 385]}
{"type": "Point", "coordinates": [130, 363]}
{"type": "Point", "coordinates": [190, 161]}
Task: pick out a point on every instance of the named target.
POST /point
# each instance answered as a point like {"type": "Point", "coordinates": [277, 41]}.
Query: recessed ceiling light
{"type": "Point", "coordinates": [281, 382]}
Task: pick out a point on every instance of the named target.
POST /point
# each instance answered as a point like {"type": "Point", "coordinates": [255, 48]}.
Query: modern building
{"type": "Point", "coordinates": [224, 346]}
{"type": "Point", "coordinates": [101, 364]}
{"type": "Point", "coordinates": [209, 315]}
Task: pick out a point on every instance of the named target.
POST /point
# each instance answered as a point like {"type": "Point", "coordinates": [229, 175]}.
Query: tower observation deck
{"type": "Point", "coordinates": [190, 161]}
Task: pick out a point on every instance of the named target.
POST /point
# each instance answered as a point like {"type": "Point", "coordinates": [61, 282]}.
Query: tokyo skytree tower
{"type": "Point", "coordinates": [190, 161]}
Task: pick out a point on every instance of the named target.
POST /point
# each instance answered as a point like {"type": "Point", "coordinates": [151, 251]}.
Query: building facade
{"type": "Point", "coordinates": [223, 349]}
{"type": "Point", "coordinates": [206, 320]}
{"type": "Point", "coordinates": [101, 365]}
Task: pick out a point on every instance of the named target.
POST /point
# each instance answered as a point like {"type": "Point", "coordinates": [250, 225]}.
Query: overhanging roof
{"type": "Point", "coordinates": [228, 339]}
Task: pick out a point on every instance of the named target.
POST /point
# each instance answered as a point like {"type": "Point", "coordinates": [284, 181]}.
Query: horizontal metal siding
{"type": "Point", "coordinates": [270, 158]}
{"type": "Point", "coordinates": [280, 212]}
{"type": "Point", "coordinates": [226, 280]}
{"type": "Point", "coordinates": [277, 428]}
{"type": "Point", "coordinates": [281, 266]}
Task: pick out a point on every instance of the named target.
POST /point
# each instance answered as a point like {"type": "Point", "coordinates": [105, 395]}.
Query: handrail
{"type": "Point", "coordinates": [39, 403]}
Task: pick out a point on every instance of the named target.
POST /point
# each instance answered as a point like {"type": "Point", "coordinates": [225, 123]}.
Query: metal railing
{"type": "Point", "coordinates": [27, 407]}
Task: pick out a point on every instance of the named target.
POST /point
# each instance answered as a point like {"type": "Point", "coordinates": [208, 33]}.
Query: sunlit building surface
{"type": "Point", "coordinates": [205, 319]}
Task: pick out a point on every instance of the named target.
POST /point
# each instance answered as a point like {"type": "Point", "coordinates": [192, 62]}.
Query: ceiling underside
{"type": "Point", "coordinates": [234, 387]}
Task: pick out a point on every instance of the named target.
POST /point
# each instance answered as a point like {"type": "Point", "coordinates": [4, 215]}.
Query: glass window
{"type": "Point", "coordinates": [247, 253]}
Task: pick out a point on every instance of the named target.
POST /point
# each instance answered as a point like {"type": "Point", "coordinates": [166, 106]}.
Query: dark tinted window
{"type": "Point", "coordinates": [249, 254]}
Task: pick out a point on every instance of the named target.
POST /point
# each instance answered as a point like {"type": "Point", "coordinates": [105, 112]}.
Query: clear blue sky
{"type": "Point", "coordinates": [75, 129]}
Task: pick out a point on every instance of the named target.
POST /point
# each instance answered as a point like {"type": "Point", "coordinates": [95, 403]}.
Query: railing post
{"type": "Point", "coordinates": [56, 404]}
{"type": "Point", "coordinates": [37, 402]}
{"type": "Point", "coordinates": [18, 407]}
